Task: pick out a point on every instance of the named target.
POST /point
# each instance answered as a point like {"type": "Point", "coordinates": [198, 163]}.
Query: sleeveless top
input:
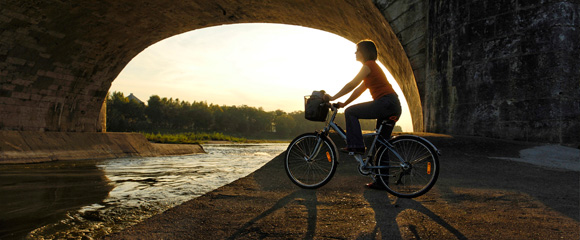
{"type": "Point", "coordinates": [376, 81]}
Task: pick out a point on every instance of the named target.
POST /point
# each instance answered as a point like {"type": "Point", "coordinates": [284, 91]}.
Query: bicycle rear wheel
{"type": "Point", "coordinates": [308, 166]}
{"type": "Point", "coordinates": [418, 172]}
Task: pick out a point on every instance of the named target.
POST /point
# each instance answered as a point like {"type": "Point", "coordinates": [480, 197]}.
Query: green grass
{"type": "Point", "coordinates": [190, 138]}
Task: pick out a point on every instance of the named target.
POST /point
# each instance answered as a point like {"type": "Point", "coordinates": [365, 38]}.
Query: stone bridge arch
{"type": "Point", "coordinates": [61, 56]}
{"type": "Point", "coordinates": [505, 69]}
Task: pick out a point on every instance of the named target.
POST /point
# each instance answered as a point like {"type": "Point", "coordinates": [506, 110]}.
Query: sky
{"type": "Point", "coordinates": [272, 66]}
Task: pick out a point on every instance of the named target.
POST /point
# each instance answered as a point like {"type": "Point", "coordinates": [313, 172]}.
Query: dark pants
{"type": "Point", "coordinates": [380, 109]}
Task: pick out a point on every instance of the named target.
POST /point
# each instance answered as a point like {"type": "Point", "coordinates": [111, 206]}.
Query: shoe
{"type": "Point", "coordinates": [353, 150]}
{"type": "Point", "coordinates": [376, 185]}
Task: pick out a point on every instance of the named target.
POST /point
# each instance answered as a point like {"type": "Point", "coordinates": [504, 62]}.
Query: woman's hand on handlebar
{"type": "Point", "coordinates": [338, 105]}
{"type": "Point", "coordinates": [327, 98]}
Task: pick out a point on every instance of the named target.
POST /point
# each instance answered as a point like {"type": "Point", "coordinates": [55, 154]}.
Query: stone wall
{"type": "Point", "coordinates": [505, 69]}
{"type": "Point", "coordinates": [48, 72]}
{"type": "Point", "coordinates": [409, 20]}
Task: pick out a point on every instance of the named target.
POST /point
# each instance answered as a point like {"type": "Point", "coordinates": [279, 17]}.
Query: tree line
{"type": "Point", "coordinates": [168, 115]}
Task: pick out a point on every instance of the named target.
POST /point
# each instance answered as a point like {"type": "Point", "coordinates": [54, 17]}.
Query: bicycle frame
{"type": "Point", "coordinates": [363, 161]}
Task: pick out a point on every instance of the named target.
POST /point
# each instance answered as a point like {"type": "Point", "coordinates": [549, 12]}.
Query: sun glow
{"type": "Point", "coordinates": [261, 65]}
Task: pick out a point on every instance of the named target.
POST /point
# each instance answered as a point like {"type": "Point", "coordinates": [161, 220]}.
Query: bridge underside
{"type": "Point", "coordinates": [500, 69]}
{"type": "Point", "coordinates": [61, 57]}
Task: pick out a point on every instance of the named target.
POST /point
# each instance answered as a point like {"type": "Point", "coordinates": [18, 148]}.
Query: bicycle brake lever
{"type": "Point", "coordinates": [334, 106]}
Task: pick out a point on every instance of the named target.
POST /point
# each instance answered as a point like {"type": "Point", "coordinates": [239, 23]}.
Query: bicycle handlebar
{"type": "Point", "coordinates": [332, 106]}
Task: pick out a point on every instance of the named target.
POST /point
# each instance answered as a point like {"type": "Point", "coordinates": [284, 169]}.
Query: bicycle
{"type": "Point", "coordinates": [407, 165]}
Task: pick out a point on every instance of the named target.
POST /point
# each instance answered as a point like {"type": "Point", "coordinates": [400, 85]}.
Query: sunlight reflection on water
{"type": "Point", "coordinates": [144, 187]}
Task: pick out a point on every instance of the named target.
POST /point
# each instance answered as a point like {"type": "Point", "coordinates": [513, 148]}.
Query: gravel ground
{"type": "Point", "coordinates": [486, 190]}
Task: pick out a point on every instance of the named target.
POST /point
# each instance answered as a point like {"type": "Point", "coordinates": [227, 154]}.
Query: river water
{"type": "Point", "coordinates": [89, 199]}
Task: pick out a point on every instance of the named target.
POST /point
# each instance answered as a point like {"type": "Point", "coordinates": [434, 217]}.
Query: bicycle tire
{"type": "Point", "coordinates": [418, 177]}
{"type": "Point", "coordinates": [310, 173]}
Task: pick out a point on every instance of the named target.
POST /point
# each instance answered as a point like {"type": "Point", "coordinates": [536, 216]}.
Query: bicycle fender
{"type": "Point", "coordinates": [422, 139]}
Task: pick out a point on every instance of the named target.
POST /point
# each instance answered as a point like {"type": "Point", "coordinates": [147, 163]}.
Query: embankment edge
{"type": "Point", "coordinates": [32, 147]}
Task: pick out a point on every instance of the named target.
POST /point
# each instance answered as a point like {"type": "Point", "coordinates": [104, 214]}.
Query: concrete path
{"type": "Point", "coordinates": [551, 156]}
{"type": "Point", "coordinates": [479, 195]}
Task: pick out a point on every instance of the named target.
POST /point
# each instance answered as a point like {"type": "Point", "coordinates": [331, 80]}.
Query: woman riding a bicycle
{"type": "Point", "coordinates": [406, 166]}
{"type": "Point", "coordinates": [385, 104]}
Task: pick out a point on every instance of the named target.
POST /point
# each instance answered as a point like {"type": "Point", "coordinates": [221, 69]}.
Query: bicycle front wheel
{"type": "Point", "coordinates": [411, 170]}
{"type": "Point", "coordinates": [310, 160]}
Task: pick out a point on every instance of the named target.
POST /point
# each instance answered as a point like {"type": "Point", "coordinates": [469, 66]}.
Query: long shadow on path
{"type": "Point", "coordinates": [307, 198]}
{"type": "Point", "coordinates": [387, 210]}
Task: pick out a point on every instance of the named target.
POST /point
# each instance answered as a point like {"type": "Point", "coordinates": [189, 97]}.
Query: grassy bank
{"type": "Point", "coordinates": [201, 138]}
{"type": "Point", "coordinates": [191, 138]}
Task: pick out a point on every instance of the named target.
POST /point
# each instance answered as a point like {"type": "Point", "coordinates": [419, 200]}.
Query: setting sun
{"type": "Point", "coordinates": [260, 65]}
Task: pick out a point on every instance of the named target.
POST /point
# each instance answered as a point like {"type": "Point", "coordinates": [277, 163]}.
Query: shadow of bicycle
{"type": "Point", "coordinates": [388, 210]}
{"type": "Point", "coordinates": [307, 198]}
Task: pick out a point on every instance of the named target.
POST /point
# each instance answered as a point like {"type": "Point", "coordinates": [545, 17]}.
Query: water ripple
{"type": "Point", "coordinates": [143, 187]}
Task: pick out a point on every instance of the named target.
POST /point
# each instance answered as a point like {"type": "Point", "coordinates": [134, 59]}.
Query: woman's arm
{"type": "Point", "coordinates": [364, 71]}
{"type": "Point", "coordinates": [357, 92]}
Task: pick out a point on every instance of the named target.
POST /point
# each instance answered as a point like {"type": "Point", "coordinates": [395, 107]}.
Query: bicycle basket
{"type": "Point", "coordinates": [314, 109]}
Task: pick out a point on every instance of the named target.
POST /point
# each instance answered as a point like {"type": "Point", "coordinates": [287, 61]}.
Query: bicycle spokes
{"type": "Point", "coordinates": [310, 161]}
{"type": "Point", "coordinates": [410, 167]}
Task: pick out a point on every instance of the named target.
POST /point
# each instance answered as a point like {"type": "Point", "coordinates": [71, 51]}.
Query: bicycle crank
{"type": "Point", "coordinates": [362, 169]}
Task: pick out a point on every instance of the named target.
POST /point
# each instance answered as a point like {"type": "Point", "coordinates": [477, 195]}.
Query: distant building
{"type": "Point", "coordinates": [132, 97]}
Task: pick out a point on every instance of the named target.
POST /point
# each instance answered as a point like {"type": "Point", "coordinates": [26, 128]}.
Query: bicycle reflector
{"type": "Point", "coordinates": [428, 167]}
{"type": "Point", "coordinates": [328, 157]}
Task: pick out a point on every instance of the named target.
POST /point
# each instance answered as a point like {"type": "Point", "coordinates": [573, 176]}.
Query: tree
{"type": "Point", "coordinates": [124, 114]}
{"type": "Point", "coordinates": [154, 111]}
{"type": "Point", "coordinates": [284, 125]}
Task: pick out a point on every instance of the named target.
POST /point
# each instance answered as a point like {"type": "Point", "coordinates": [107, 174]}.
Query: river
{"type": "Point", "coordinates": [89, 199]}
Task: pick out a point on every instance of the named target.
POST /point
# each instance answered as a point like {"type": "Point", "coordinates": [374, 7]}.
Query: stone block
{"type": "Point", "coordinates": [16, 61]}
{"type": "Point", "coordinates": [498, 69]}
{"type": "Point", "coordinates": [4, 93]}
{"type": "Point", "coordinates": [411, 14]}
{"type": "Point", "coordinates": [394, 9]}
{"type": "Point", "coordinates": [569, 111]}
{"type": "Point", "coordinates": [416, 32]}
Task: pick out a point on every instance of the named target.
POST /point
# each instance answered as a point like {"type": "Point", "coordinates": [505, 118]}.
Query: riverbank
{"type": "Point", "coordinates": [87, 199]}
{"type": "Point", "coordinates": [34, 147]}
